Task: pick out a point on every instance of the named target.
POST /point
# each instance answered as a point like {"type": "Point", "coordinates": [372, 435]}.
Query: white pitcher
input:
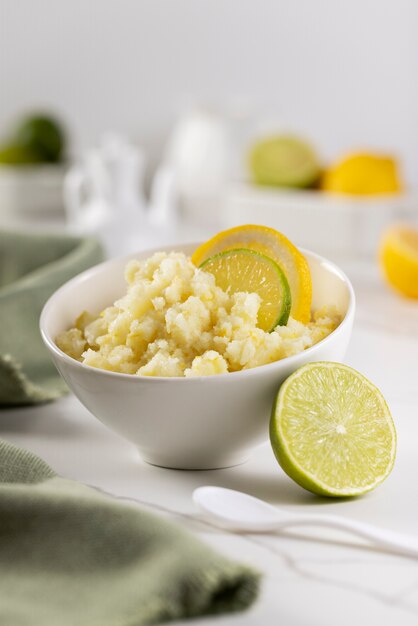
{"type": "Point", "coordinates": [103, 194]}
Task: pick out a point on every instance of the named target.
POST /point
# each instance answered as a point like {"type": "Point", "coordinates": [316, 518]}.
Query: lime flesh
{"type": "Point", "coordinates": [249, 271]}
{"type": "Point", "coordinates": [331, 430]}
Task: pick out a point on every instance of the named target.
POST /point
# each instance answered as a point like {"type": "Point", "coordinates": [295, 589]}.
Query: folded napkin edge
{"type": "Point", "coordinates": [22, 466]}
{"type": "Point", "coordinates": [13, 378]}
{"type": "Point", "coordinates": [83, 247]}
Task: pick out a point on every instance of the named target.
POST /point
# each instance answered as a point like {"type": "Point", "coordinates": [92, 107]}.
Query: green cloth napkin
{"type": "Point", "coordinates": [32, 267]}
{"type": "Point", "coordinates": [69, 556]}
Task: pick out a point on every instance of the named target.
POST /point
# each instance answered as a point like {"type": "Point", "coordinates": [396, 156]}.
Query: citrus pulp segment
{"type": "Point", "coordinates": [275, 245]}
{"type": "Point", "coordinates": [331, 430]}
{"type": "Point", "coordinates": [252, 272]}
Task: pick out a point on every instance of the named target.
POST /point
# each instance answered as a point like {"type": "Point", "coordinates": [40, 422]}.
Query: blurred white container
{"type": "Point", "coordinates": [200, 153]}
{"type": "Point", "coordinates": [104, 194]}
{"type": "Point", "coordinates": [31, 192]}
{"type": "Point", "coordinates": [106, 185]}
{"type": "Point", "coordinates": [334, 225]}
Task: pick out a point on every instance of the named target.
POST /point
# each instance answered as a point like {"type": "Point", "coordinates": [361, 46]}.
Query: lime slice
{"type": "Point", "coordinates": [331, 430]}
{"type": "Point", "coordinates": [252, 272]}
{"type": "Point", "coordinates": [284, 161]}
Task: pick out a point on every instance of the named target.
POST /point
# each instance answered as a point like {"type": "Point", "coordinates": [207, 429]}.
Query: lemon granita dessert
{"type": "Point", "coordinates": [176, 319]}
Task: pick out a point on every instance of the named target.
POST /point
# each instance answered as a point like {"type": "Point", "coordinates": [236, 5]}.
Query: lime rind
{"type": "Point", "coordinates": [297, 470]}
{"type": "Point", "coordinates": [284, 304]}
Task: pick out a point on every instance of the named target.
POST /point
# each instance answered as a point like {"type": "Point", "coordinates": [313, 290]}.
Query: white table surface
{"type": "Point", "coordinates": [311, 578]}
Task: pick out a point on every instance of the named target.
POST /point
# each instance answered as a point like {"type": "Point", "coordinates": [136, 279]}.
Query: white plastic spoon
{"type": "Point", "coordinates": [243, 513]}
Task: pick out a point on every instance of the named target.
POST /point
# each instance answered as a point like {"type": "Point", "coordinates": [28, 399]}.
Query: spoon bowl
{"type": "Point", "coordinates": [238, 510]}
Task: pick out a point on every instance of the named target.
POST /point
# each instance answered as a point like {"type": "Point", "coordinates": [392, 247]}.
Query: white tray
{"type": "Point", "coordinates": [30, 193]}
{"type": "Point", "coordinates": [333, 225]}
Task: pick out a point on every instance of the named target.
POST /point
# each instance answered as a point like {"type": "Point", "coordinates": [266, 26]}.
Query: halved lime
{"type": "Point", "coordinates": [284, 161]}
{"type": "Point", "coordinates": [331, 430]}
{"type": "Point", "coordinates": [249, 271]}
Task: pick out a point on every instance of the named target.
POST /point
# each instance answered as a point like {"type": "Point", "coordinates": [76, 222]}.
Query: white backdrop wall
{"type": "Point", "coordinates": [343, 72]}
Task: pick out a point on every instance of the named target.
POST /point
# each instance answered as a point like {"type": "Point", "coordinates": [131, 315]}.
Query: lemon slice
{"type": "Point", "coordinates": [275, 246]}
{"type": "Point", "coordinates": [252, 272]}
{"type": "Point", "coordinates": [399, 259]}
{"type": "Point", "coordinates": [331, 430]}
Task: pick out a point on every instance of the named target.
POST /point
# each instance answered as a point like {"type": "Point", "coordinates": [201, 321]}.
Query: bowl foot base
{"type": "Point", "coordinates": [194, 464]}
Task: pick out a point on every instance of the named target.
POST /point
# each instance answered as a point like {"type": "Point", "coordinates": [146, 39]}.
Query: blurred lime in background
{"type": "Point", "coordinates": [284, 161]}
{"type": "Point", "coordinates": [13, 154]}
{"type": "Point", "coordinates": [36, 139]}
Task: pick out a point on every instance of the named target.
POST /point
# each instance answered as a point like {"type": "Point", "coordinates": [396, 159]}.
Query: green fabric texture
{"type": "Point", "coordinates": [69, 556]}
{"type": "Point", "coordinates": [32, 267]}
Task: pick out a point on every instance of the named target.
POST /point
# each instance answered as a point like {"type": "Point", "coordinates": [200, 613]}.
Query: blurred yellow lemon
{"type": "Point", "coordinates": [363, 174]}
{"type": "Point", "coordinates": [399, 259]}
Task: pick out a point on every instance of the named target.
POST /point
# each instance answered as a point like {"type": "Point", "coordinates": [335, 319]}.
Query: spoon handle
{"type": "Point", "coordinates": [393, 541]}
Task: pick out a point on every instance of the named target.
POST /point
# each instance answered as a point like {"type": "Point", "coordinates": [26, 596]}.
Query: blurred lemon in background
{"type": "Point", "coordinates": [363, 174]}
{"type": "Point", "coordinates": [284, 161]}
{"type": "Point", "coordinates": [398, 256]}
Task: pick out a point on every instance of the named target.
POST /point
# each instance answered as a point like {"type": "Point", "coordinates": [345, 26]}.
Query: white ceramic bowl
{"type": "Point", "coordinates": [188, 423]}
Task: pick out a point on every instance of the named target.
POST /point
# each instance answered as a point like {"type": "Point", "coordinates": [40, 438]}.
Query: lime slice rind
{"type": "Point", "coordinates": [327, 449]}
{"type": "Point", "coordinates": [274, 311]}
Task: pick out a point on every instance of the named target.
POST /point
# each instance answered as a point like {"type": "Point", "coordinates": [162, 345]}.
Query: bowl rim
{"type": "Point", "coordinates": [253, 371]}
